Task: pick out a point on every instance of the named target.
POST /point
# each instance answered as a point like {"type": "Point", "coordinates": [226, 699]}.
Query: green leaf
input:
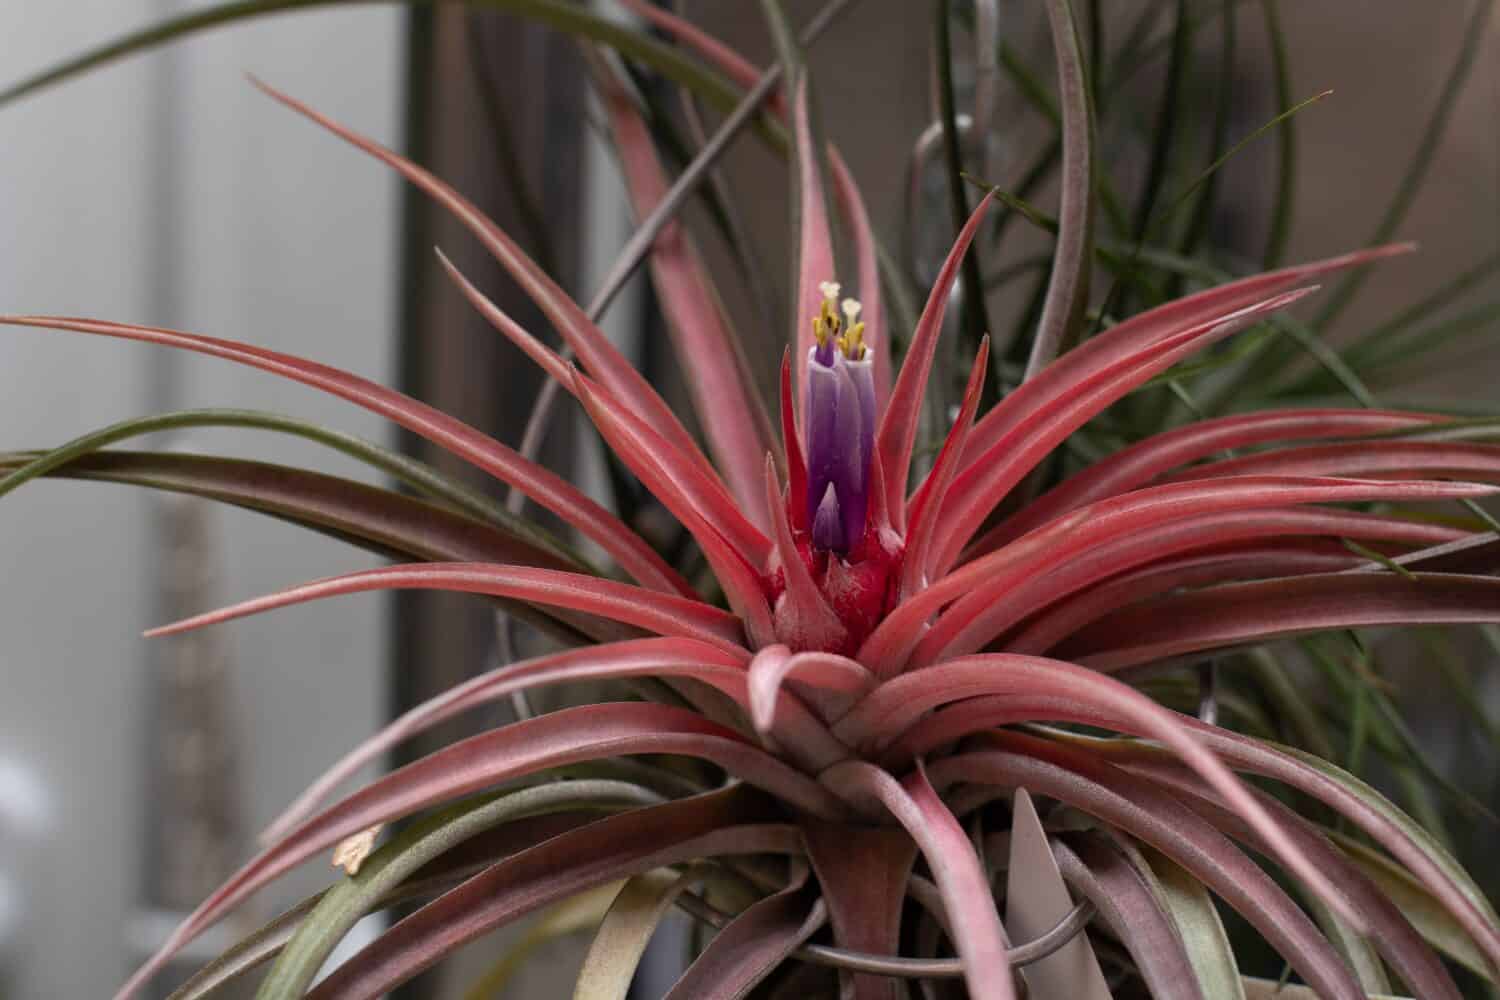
{"type": "Point", "coordinates": [625, 931]}
{"type": "Point", "coordinates": [350, 899]}
{"type": "Point", "coordinates": [1356, 948]}
{"type": "Point", "coordinates": [246, 954]}
{"type": "Point", "coordinates": [579, 913]}
{"type": "Point", "coordinates": [1431, 919]}
{"type": "Point", "coordinates": [1270, 989]}
{"type": "Point", "coordinates": [1192, 909]}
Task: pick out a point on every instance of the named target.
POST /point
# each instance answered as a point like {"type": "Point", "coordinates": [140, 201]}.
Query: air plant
{"type": "Point", "coordinates": [880, 677]}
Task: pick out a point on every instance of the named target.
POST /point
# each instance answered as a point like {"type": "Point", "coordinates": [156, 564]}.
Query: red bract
{"type": "Point", "coordinates": [877, 635]}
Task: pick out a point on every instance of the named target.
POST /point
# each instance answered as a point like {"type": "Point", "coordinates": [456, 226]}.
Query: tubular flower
{"type": "Point", "coordinates": [878, 644]}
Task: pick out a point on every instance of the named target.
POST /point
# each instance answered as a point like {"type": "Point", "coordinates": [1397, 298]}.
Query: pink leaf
{"type": "Point", "coordinates": [1148, 328]}
{"type": "Point", "coordinates": [601, 357]}
{"type": "Point", "coordinates": [898, 424]}
{"type": "Point", "coordinates": [1130, 907]}
{"type": "Point", "coordinates": [1394, 457]}
{"type": "Point", "coordinates": [851, 205]}
{"type": "Point", "coordinates": [894, 706]}
{"type": "Point", "coordinates": [1077, 535]}
{"type": "Point", "coordinates": [729, 410]}
{"type": "Point", "coordinates": [676, 480]}
{"type": "Point", "coordinates": [1141, 463]}
{"type": "Point", "coordinates": [1075, 392]}
{"type": "Point", "coordinates": [950, 855]}
{"type": "Point", "coordinates": [815, 241]}
{"type": "Point", "coordinates": [1014, 589]}
{"type": "Point", "coordinates": [546, 358]}
{"type": "Point", "coordinates": [786, 725]}
{"type": "Point", "coordinates": [796, 464]}
{"type": "Point", "coordinates": [567, 737]}
{"type": "Point", "coordinates": [828, 680]}
{"type": "Point", "coordinates": [1243, 613]}
{"type": "Point", "coordinates": [712, 665]}
{"type": "Point", "coordinates": [1194, 569]}
{"type": "Point", "coordinates": [863, 873]}
{"type": "Point", "coordinates": [1143, 810]}
{"type": "Point", "coordinates": [1344, 794]}
{"type": "Point", "coordinates": [1409, 955]}
{"type": "Point", "coordinates": [546, 488]}
{"type": "Point", "coordinates": [661, 613]}
{"type": "Point", "coordinates": [716, 53]}
{"type": "Point", "coordinates": [928, 498]}
{"type": "Point", "coordinates": [751, 946]}
{"type": "Point", "coordinates": [802, 614]}
{"type": "Point", "coordinates": [614, 847]}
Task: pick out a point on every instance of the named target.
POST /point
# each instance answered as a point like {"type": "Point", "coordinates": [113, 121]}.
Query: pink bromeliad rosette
{"type": "Point", "coordinates": [878, 639]}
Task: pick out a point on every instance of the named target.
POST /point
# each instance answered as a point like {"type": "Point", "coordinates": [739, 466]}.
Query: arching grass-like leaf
{"type": "Point", "coordinates": [351, 898]}
{"type": "Point", "coordinates": [408, 471]}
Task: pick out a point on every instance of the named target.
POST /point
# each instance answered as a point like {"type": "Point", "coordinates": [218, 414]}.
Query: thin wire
{"type": "Point", "coordinates": [909, 968]}
{"type": "Point", "coordinates": [1208, 696]}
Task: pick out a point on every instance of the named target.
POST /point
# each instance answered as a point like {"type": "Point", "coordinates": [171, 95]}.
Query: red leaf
{"type": "Point", "coordinates": [654, 657]}
{"type": "Point", "coordinates": [751, 946]}
{"type": "Point", "coordinates": [950, 855]}
{"type": "Point", "coordinates": [815, 241]}
{"type": "Point", "coordinates": [1062, 398]}
{"type": "Point", "coordinates": [802, 615]}
{"type": "Point", "coordinates": [886, 713]}
{"type": "Point", "coordinates": [1194, 569]}
{"type": "Point", "coordinates": [601, 357]}
{"type": "Point", "coordinates": [1391, 457]}
{"type": "Point", "coordinates": [1130, 907]}
{"type": "Point", "coordinates": [796, 465]}
{"type": "Point", "coordinates": [546, 488]}
{"type": "Point", "coordinates": [1243, 613]}
{"type": "Point", "coordinates": [1141, 463]}
{"type": "Point", "coordinates": [928, 498]}
{"type": "Point", "coordinates": [976, 586]}
{"type": "Point", "coordinates": [897, 432]}
{"type": "Point", "coordinates": [729, 409]}
{"type": "Point", "coordinates": [1399, 943]}
{"type": "Point", "coordinates": [567, 737]}
{"type": "Point", "coordinates": [1143, 810]}
{"type": "Point", "coordinates": [661, 613]}
{"type": "Point", "coordinates": [671, 476]}
{"type": "Point", "coordinates": [709, 825]}
{"type": "Point", "coordinates": [863, 873]}
{"type": "Point", "coordinates": [852, 206]}
{"type": "Point", "coordinates": [826, 679]}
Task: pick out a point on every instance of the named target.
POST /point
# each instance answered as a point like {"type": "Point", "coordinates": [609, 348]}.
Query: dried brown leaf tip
{"type": "Point", "coordinates": [351, 852]}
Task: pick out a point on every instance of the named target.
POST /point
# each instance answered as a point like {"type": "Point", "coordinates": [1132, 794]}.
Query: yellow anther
{"type": "Point", "coordinates": [854, 342]}
{"type": "Point", "coordinates": [820, 331]}
{"type": "Point", "coordinates": [851, 309]}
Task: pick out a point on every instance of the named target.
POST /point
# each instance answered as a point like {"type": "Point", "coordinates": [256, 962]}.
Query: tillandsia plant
{"type": "Point", "coordinates": [898, 679]}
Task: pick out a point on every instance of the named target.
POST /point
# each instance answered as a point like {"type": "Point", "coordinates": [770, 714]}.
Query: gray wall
{"type": "Point", "coordinates": [166, 190]}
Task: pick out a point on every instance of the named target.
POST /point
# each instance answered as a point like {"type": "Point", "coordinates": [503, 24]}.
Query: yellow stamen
{"type": "Point", "coordinates": [854, 343]}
